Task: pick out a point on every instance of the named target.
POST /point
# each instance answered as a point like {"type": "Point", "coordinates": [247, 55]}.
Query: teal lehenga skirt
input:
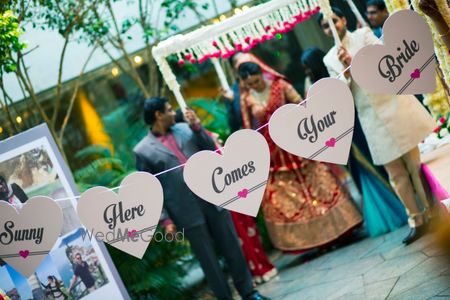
{"type": "Point", "coordinates": [383, 212]}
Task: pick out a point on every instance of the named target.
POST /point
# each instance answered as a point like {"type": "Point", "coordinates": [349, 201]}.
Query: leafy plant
{"type": "Point", "coordinates": [155, 20]}
{"type": "Point", "coordinates": [213, 115]}
{"type": "Point", "coordinates": [126, 127]}
{"type": "Point", "coordinates": [65, 17]}
{"type": "Point", "coordinates": [9, 41]}
{"type": "Point", "coordinates": [9, 44]}
{"type": "Point", "coordinates": [159, 274]}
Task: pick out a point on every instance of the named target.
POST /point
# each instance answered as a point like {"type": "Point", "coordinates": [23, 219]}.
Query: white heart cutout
{"type": "Point", "coordinates": [235, 179]}
{"type": "Point", "coordinates": [126, 220]}
{"type": "Point", "coordinates": [322, 128]}
{"type": "Point", "coordinates": [27, 236]}
{"type": "Point", "coordinates": [405, 64]}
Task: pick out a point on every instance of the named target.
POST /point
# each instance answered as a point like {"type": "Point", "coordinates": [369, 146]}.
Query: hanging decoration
{"type": "Point", "coordinates": [439, 101]}
{"type": "Point", "coordinates": [126, 220]}
{"type": "Point", "coordinates": [235, 179]}
{"type": "Point", "coordinates": [322, 129]}
{"type": "Point", "coordinates": [245, 36]}
{"type": "Point", "coordinates": [444, 9]}
{"type": "Point", "coordinates": [404, 64]}
{"type": "Point", "coordinates": [239, 33]}
{"type": "Point", "coordinates": [29, 234]}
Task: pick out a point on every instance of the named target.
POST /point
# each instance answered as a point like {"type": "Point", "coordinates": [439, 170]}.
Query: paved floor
{"type": "Point", "coordinates": [378, 268]}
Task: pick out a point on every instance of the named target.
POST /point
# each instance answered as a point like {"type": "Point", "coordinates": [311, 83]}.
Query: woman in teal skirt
{"type": "Point", "coordinates": [383, 212]}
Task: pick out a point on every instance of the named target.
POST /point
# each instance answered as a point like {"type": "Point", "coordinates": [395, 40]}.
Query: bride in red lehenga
{"type": "Point", "coordinates": [305, 205]}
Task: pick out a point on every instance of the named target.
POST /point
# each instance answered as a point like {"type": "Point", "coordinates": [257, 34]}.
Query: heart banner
{"type": "Point", "coordinates": [405, 64]}
{"type": "Point", "coordinates": [27, 236]}
{"type": "Point", "coordinates": [235, 179]}
{"type": "Point", "coordinates": [127, 220]}
{"type": "Point", "coordinates": [322, 128]}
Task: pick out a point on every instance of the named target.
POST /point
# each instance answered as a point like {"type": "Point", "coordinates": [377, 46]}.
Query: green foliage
{"type": "Point", "coordinates": [111, 168]}
{"type": "Point", "coordinates": [213, 115]}
{"type": "Point", "coordinates": [92, 152]}
{"type": "Point", "coordinates": [99, 27]}
{"type": "Point", "coordinates": [9, 41]}
{"type": "Point", "coordinates": [126, 128]}
{"type": "Point", "coordinates": [66, 17]}
{"type": "Point", "coordinates": [158, 274]}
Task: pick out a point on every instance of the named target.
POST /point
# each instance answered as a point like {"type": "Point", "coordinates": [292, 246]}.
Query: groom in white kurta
{"type": "Point", "coordinates": [393, 125]}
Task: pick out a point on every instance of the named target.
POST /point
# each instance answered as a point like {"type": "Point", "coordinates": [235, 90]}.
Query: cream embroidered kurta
{"type": "Point", "coordinates": [392, 124]}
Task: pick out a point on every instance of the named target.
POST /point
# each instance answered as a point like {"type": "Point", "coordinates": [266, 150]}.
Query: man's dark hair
{"type": "Point", "coordinates": [248, 69]}
{"type": "Point", "coordinates": [379, 4]}
{"type": "Point", "coordinates": [337, 11]}
{"type": "Point", "coordinates": [179, 116]}
{"type": "Point", "coordinates": [3, 195]}
{"type": "Point", "coordinates": [230, 59]}
{"type": "Point", "coordinates": [312, 58]}
{"type": "Point", "coordinates": [151, 106]}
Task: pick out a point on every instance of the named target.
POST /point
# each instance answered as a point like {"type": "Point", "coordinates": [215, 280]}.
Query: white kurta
{"type": "Point", "coordinates": [393, 124]}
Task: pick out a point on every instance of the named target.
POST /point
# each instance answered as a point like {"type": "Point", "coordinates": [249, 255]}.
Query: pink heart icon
{"type": "Point", "coordinates": [243, 193]}
{"type": "Point", "coordinates": [415, 74]}
{"type": "Point", "coordinates": [330, 143]}
{"type": "Point", "coordinates": [132, 233]}
{"type": "Point", "coordinates": [24, 253]}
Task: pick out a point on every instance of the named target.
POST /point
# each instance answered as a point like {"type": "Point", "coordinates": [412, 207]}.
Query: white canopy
{"type": "Point", "coordinates": [239, 33]}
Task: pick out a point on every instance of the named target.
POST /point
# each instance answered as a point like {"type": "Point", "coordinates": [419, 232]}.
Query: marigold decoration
{"type": "Point", "coordinates": [438, 101]}
{"type": "Point", "coordinates": [240, 32]}
{"type": "Point", "coordinates": [444, 9]}
{"type": "Point", "coordinates": [394, 5]}
{"type": "Point", "coordinates": [246, 36]}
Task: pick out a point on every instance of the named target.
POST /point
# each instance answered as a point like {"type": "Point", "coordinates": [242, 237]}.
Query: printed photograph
{"type": "Point", "coordinates": [29, 174]}
{"type": "Point", "coordinates": [73, 269]}
{"type": "Point", "coordinates": [77, 264]}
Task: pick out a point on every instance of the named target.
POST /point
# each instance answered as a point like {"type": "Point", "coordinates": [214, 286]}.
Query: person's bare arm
{"type": "Point", "coordinates": [292, 96]}
{"type": "Point", "coordinates": [226, 94]}
{"type": "Point", "coordinates": [72, 282]}
{"type": "Point", "coordinates": [346, 60]}
{"type": "Point", "coordinates": [258, 110]}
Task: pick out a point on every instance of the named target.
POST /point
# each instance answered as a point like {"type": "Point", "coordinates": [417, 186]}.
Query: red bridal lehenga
{"type": "Point", "coordinates": [250, 240]}
{"type": "Point", "coordinates": [304, 206]}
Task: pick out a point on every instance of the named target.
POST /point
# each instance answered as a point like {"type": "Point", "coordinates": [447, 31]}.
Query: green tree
{"type": "Point", "coordinates": [9, 44]}
{"type": "Point", "coordinates": [95, 22]}
{"type": "Point", "coordinates": [65, 17]}
{"type": "Point", "coordinates": [156, 22]}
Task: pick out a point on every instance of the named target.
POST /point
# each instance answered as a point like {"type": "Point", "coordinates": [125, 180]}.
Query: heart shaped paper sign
{"type": "Point", "coordinates": [320, 130]}
{"type": "Point", "coordinates": [405, 64]}
{"type": "Point", "coordinates": [235, 180]}
{"type": "Point", "coordinates": [127, 220]}
{"type": "Point", "coordinates": [27, 236]}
